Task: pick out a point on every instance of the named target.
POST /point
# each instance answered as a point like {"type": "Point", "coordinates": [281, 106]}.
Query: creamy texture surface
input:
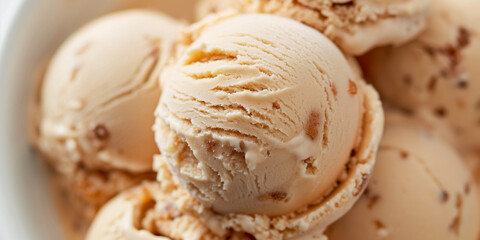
{"type": "Point", "coordinates": [155, 211]}
{"type": "Point", "coordinates": [165, 210]}
{"type": "Point", "coordinates": [355, 25]}
{"type": "Point", "coordinates": [260, 114]}
{"type": "Point", "coordinates": [100, 90]}
{"type": "Point", "coordinates": [267, 125]}
{"type": "Point", "coordinates": [438, 72]}
{"type": "Point", "coordinates": [420, 189]}
{"type": "Point", "coordinates": [92, 113]}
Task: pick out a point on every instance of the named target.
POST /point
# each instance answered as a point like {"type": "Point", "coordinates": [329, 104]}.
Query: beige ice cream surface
{"type": "Point", "coordinates": [438, 72]}
{"type": "Point", "coordinates": [355, 25]}
{"type": "Point", "coordinates": [165, 210]}
{"type": "Point", "coordinates": [100, 91]}
{"type": "Point", "coordinates": [420, 189]}
{"type": "Point", "coordinates": [260, 114]}
{"type": "Point", "coordinates": [264, 121]}
{"type": "Point", "coordinates": [152, 211]}
{"type": "Point", "coordinates": [93, 115]}
{"type": "Point", "coordinates": [80, 196]}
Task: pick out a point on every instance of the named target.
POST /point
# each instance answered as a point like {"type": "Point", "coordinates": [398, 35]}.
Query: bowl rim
{"type": "Point", "coordinates": [12, 19]}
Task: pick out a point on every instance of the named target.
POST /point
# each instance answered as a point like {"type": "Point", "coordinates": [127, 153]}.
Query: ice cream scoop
{"type": "Point", "coordinates": [438, 72]}
{"type": "Point", "coordinates": [263, 115]}
{"type": "Point", "coordinates": [259, 120]}
{"type": "Point", "coordinates": [165, 210]}
{"type": "Point", "coordinates": [95, 108]}
{"type": "Point", "coordinates": [355, 25]}
{"type": "Point", "coordinates": [154, 211]}
{"type": "Point", "coordinates": [127, 216]}
{"type": "Point", "coordinates": [420, 189]}
{"type": "Point", "coordinates": [100, 90]}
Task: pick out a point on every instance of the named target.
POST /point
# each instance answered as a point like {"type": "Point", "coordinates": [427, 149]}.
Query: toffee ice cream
{"type": "Point", "coordinates": [438, 72]}
{"type": "Point", "coordinates": [262, 115]}
{"type": "Point", "coordinates": [420, 189]}
{"type": "Point", "coordinates": [356, 26]}
{"type": "Point", "coordinates": [96, 105]}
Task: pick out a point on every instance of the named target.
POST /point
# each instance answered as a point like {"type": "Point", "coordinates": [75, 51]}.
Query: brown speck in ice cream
{"type": "Point", "coordinates": [278, 196]}
{"type": "Point", "coordinates": [334, 89]}
{"type": "Point", "coordinates": [243, 148]}
{"type": "Point", "coordinates": [100, 132]}
{"type": "Point", "coordinates": [440, 112]}
{"type": "Point", "coordinates": [211, 144]}
{"type": "Point", "coordinates": [462, 83]}
{"type": "Point", "coordinates": [407, 79]}
{"type": "Point", "coordinates": [444, 73]}
{"type": "Point", "coordinates": [350, 3]}
{"type": "Point", "coordinates": [467, 188]}
{"type": "Point", "coordinates": [373, 200]}
{"type": "Point", "coordinates": [432, 84]}
{"type": "Point", "coordinates": [404, 154]}
{"type": "Point", "coordinates": [455, 224]}
{"type": "Point", "coordinates": [379, 224]}
{"type": "Point", "coordinates": [352, 87]}
{"type": "Point", "coordinates": [275, 105]}
{"type": "Point", "coordinates": [453, 56]}
{"type": "Point", "coordinates": [311, 129]}
{"type": "Point", "coordinates": [429, 50]}
{"type": "Point", "coordinates": [367, 191]}
{"type": "Point", "coordinates": [463, 39]}
{"type": "Point", "coordinates": [310, 168]}
{"type": "Point", "coordinates": [239, 235]}
{"type": "Point", "coordinates": [444, 196]}
{"type": "Point", "coordinates": [353, 153]}
{"type": "Point", "coordinates": [273, 196]}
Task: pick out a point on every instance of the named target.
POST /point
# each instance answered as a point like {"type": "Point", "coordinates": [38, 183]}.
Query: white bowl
{"type": "Point", "coordinates": [31, 32]}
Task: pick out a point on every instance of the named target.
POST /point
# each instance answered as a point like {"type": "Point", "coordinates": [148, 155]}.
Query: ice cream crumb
{"type": "Point", "coordinates": [309, 166]}
{"type": "Point", "coordinates": [444, 196]}
{"type": "Point", "coordinates": [275, 196]}
{"type": "Point", "coordinates": [407, 79]}
{"type": "Point", "coordinates": [334, 89]}
{"type": "Point", "coordinates": [352, 87]}
{"type": "Point", "coordinates": [440, 112]}
{"type": "Point", "coordinates": [462, 82]}
{"type": "Point", "coordinates": [467, 188]}
{"type": "Point", "coordinates": [381, 229]}
{"type": "Point", "coordinates": [432, 84]}
{"type": "Point", "coordinates": [455, 225]}
{"type": "Point", "coordinates": [373, 200]}
{"type": "Point", "coordinates": [463, 39]}
{"type": "Point", "coordinates": [101, 132]}
{"type": "Point", "coordinates": [311, 129]}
